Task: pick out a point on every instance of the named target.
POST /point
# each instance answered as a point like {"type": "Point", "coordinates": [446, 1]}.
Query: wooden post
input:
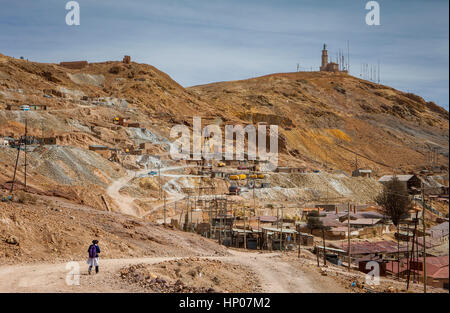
{"type": "Point", "coordinates": [259, 235]}
{"type": "Point", "coordinates": [349, 257]}
{"type": "Point", "coordinates": [192, 220]}
{"type": "Point", "coordinates": [424, 244]}
{"type": "Point", "coordinates": [210, 220]}
{"type": "Point", "coordinates": [25, 150]}
{"type": "Point", "coordinates": [181, 216]}
{"type": "Point", "coordinates": [164, 210]}
{"type": "Point", "coordinates": [220, 228]}
{"type": "Point", "coordinates": [317, 254]}
{"type": "Point", "coordinates": [412, 254]}
{"type": "Point", "coordinates": [245, 228]}
{"type": "Point", "coordinates": [324, 252]}
{"type": "Point", "coordinates": [159, 180]}
{"type": "Point", "coordinates": [281, 234]}
{"type": "Point", "coordinates": [106, 204]}
{"type": "Point", "coordinates": [398, 251]}
{"type": "Point", "coordinates": [15, 169]}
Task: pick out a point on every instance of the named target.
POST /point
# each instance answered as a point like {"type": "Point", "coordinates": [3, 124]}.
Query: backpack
{"type": "Point", "coordinates": [92, 251]}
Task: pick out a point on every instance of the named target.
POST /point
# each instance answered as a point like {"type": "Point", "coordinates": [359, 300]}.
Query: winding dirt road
{"type": "Point", "coordinates": [274, 275]}
{"type": "Point", "coordinates": [126, 203]}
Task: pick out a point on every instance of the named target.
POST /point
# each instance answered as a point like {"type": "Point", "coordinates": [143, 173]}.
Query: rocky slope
{"type": "Point", "coordinates": [324, 119]}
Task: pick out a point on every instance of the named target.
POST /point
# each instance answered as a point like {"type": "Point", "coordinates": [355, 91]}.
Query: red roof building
{"type": "Point", "coordinates": [436, 267]}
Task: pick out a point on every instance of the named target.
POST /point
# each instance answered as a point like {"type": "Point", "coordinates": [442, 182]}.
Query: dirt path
{"type": "Point", "coordinates": [278, 276]}
{"type": "Point", "coordinates": [274, 274]}
{"type": "Point", "coordinates": [126, 203]}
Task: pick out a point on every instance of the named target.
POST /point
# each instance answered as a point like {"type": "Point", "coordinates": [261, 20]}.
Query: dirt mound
{"type": "Point", "coordinates": [193, 275]}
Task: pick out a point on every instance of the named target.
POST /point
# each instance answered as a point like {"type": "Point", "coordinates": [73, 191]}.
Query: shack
{"type": "Point", "coordinates": [254, 238]}
{"type": "Point", "coordinates": [278, 238]}
{"type": "Point", "coordinates": [362, 173]}
{"type": "Point", "coordinates": [102, 150]}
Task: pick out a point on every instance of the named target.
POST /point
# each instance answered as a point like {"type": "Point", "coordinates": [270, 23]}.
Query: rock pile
{"type": "Point", "coordinates": [139, 274]}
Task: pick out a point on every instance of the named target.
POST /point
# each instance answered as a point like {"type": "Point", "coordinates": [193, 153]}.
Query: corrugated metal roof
{"type": "Point", "coordinates": [403, 178]}
{"type": "Point", "coordinates": [372, 247]}
{"type": "Point", "coordinates": [437, 267]}
{"type": "Point", "coordinates": [332, 249]}
{"type": "Point", "coordinates": [364, 171]}
{"type": "Point", "coordinates": [440, 230]}
{"type": "Point", "coordinates": [278, 230]}
{"type": "Point", "coordinates": [365, 221]}
{"type": "Point", "coordinates": [267, 218]}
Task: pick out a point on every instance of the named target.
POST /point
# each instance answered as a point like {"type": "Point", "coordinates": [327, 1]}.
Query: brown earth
{"type": "Point", "coordinates": [326, 118]}
{"type": "Point", "coordinates": [54, 230]}
{"type": "Point", "coordinates": [323, 117]}
{"type": "Point", "coordinates": [191, 275]}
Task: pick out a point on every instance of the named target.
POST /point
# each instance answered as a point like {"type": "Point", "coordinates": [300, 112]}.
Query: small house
{"type": "Point", "coordinates": [362, 173]}
{"type": "Point", "coordinates": [412, 183]}
{"type": "Point", "coordinates": [102, 150]}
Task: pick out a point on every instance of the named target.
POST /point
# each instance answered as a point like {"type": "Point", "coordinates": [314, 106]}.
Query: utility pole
{"type": "Point", "coordinates": [259, 234]}
{"type": "Point", "coordinates": [278, 217]}
{"type": "Point", "coordinates": [15, 169]}
{"type": "Point", "coordinates": [245, 230]}
{"type": "Point", "coordinates": [424, 244]}
{"type": "Point", "coordinates": [349, 260]}
{"type": "Point", "coordinates": [220, 226]}
{"type": "Point", "coordinates": [165, 211]}
{"type": "Point", "coordinates": [192, 221]}
{"type": "Point", "coordinates": [159, 180]}
{"type": "Point", "coordinates": [210, 220]}
{"type": "Point", "coordinates": [412, 249]}
{"type": "Point", "coordinates": [254, 198]}
{"type": "Point", "coordinates": [42, 132]}
{"type": "Point", "coordinates": [317, 254]}
{"type": "Point", "coordinates": [323, 242]}
{"type": "Point", "coordinates": [281, 234]}
{"type": "Point", "coordinates": [26, 133]}
{"type": "Point", "coordinates": [348, 56]}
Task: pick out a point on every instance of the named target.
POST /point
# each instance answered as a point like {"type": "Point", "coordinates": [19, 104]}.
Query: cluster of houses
{"type": "Point", "coordinates": [30, 140]}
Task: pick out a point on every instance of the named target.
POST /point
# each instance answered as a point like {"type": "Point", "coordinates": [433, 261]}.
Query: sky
{"type": "Point", "coordinates": [203, 41]}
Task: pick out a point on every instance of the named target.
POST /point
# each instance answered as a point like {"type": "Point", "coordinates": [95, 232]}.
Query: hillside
{"type": "Point", "coordinates": [324, 117]}
{"type": "Point", "coordinates": [104, 171]}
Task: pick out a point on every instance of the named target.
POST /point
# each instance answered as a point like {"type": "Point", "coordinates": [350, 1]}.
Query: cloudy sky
{"type": "Point", "coordinates": [202, 41]}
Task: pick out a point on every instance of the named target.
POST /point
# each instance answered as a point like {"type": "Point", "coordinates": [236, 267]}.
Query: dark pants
{"type": "Point", "coordinates": [90, 269]}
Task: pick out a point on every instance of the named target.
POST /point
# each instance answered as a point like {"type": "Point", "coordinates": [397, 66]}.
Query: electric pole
{"type": "Point", "coordinates": [15, 169]}
{"type": "Point", "coordinates": [165, 210]}
{"type": "Point", "coordinates": [26, 133]}
{"type": "Point", "coordinates": [349, 260]}
{"type": "Point", "coordinates": [412, 249]}
{"type": "Point", "coordinates": [281, 234]}
{"type": "Point", "coordinates": [159, 180]}
{"type": "Point", "coordinates": [245, 231]}
{"type": "Point", "coordinates": [323, 242]}
{"type": "Point", "coordinates": [424, 244]}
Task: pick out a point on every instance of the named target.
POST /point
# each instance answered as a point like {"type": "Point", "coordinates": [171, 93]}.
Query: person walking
{"type": "Point", "coordinates": [93, 251]}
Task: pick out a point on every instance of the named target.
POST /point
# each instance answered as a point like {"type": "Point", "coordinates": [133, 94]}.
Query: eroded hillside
{"type": "Point", "coordinates": [325, 118]}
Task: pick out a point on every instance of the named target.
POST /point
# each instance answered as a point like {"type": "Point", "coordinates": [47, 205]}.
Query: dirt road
{"type": "Point", "coordinates": [274, 275]}
{"type": "Point", "coordinates": [126, 203]}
